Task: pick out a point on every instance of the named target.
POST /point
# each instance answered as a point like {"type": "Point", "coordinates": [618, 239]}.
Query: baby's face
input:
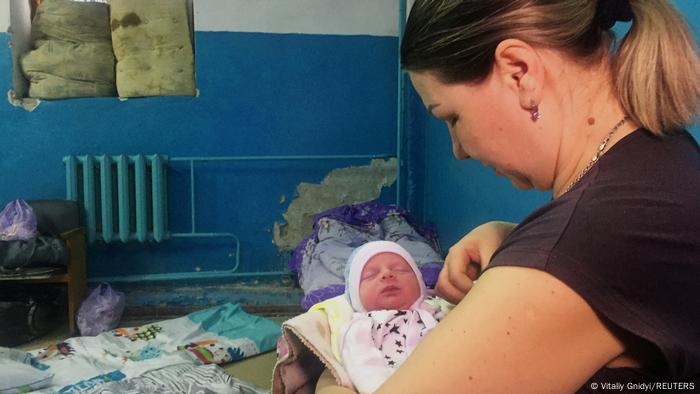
{"type": "Point", "coordinates": [388, 282]}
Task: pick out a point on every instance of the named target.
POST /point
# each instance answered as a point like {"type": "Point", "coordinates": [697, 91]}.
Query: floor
{"type": "Point", "coordinates": [256, 370]}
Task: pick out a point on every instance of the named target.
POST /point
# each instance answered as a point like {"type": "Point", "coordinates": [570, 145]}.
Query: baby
{"type": "Point", "coordinates": [387, 292]}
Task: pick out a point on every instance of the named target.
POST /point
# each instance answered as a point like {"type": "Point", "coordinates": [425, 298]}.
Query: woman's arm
{"type": "Point", "coordinates": [468, 257]}
{"type": "Point", "coordinates": [518, 330]}
{"type": "Point", "coordinates": [326, 385]}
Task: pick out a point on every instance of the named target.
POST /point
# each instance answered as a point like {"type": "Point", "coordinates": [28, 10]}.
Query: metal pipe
{"type": "Point", "coordinates": [185, 275]}
{"type": "Point", "coordinates": [282, 157]}
{"type": "Point", "coordinates": [192, 197]}
{"type": "Point", "coordinates": [237, 256]}
{"type": "Point", "coordinates": [400, 104]}
{"type": "Point", "coordinates": [232, 273]}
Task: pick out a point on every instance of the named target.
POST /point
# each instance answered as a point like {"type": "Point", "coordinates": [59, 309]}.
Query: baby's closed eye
{"type": "Point", "coordinates": [369, 274]}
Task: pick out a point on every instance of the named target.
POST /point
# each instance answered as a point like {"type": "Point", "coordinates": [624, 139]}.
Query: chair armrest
{"type": "Point", "coordinates": [75, 241]}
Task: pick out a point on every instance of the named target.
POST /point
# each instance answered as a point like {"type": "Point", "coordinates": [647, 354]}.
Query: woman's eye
{"type": "Point", "coordinates": [453, 121]}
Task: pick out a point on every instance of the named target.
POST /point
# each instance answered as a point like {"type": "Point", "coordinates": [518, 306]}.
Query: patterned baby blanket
{"type": "Point", "coordinates": [310, 343]}
{"type": "Point", "coordinates": [181, 379]}
{"type": "Point", "coordinates": [212, 336]}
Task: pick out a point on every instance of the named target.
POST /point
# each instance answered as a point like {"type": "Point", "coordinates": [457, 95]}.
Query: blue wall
{"type": "Point", "coordinates": [457, 196]}
{"type": "Point", "coordinates": [260, 94]}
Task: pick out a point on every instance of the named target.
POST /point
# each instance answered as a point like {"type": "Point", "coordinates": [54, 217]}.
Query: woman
{"type": "Point", "coordinates": [599, 286]}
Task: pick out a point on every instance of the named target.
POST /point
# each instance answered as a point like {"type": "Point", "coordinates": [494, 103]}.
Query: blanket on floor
{"type": "Point", "coordinates": [212, 336]}
{"type": "Point", "coordinates": [184, 379]}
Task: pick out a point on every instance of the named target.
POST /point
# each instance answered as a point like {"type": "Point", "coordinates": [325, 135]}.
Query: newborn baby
{"type": "Point", "coordinates": [387, 292]}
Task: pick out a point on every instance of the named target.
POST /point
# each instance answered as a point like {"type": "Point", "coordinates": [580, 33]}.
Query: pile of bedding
{"type": "Point", "coordinates": [319, 260]}
{"type": "Point", "coordinates": [166, 356]}
{"type": "Point", "coordinates": [72, 54]}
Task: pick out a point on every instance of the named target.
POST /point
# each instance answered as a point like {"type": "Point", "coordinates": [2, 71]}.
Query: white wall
{"type": "Point", "coordinates": [19, 13]}
{"type": "Point", "coordinates": [343, 17]}
{"type": "Point", "coordinates": [4, 17]}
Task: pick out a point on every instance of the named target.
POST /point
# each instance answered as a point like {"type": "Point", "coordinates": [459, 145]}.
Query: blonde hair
{"type": "Point", "coordinates": [656, 70]}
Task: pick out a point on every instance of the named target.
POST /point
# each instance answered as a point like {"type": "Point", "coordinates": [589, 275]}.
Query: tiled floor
{"type": "Point", "coordinates": [256, 370]}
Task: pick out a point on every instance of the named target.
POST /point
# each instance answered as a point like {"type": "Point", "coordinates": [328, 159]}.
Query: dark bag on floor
{"type": "Point", "coordinates": [28, 313]}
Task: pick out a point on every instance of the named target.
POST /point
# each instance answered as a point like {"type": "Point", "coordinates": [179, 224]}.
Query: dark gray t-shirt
{"type": "Point", "coordinates": [626, 238]}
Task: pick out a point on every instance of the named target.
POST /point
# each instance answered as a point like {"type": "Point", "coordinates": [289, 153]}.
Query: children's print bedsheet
{"type": "Point", "coordinates": [212, 336]}
{"type": "Point", "coordinates": [183, 379]}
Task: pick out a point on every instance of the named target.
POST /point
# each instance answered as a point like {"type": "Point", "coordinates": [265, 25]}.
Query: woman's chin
{"type": "Point", "coordinates": [520, 182]}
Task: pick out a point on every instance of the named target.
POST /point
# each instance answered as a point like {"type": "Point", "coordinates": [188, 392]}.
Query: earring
{"type": "Point", "coordinates": [535, 113]}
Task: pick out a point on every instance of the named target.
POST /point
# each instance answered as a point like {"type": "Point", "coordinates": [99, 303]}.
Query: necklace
{"type": "Point", "coordinates": [597, 154]}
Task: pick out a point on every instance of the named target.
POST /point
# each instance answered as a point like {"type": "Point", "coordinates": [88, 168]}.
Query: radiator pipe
{"type": "Point", "coordinates": [400, 104]}
{"type": "Point", "coordinates": [232, 273]}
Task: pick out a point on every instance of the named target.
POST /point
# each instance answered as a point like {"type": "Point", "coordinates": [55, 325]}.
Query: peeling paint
{"type": "Point", "coordinates": [29, 104]}
{"type": "Point", "coordinates": [341, 186]}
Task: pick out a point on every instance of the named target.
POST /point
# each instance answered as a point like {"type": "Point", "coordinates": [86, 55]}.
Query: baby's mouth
{"type": "Point", "coordinates": [390, 290]}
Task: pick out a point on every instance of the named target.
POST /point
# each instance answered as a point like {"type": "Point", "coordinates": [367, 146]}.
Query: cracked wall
{"type": "Point", "coordinates": [341, 186]}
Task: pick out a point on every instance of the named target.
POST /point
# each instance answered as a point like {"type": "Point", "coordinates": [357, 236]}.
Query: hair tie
{"type": "Point", "coordinates": [610, 11]}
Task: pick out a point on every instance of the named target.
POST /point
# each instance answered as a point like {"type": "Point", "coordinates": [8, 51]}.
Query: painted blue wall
{"type": "Point", "coordinates": [457, 196]}
{"type": "Point", "coordinates": [260, 94]}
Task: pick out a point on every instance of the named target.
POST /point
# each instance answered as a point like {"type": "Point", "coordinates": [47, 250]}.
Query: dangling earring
{"type": "Point", "coordinates": [535, 113]}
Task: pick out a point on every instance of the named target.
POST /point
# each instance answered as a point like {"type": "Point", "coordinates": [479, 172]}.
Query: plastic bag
{"type": "Point", "coordinates": [17, 222]}
{"type": "Point", "coordinates": [101, 310]}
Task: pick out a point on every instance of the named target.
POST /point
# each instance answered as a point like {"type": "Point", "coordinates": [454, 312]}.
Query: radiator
{"type": "Point", "coordinates": [124, 196]}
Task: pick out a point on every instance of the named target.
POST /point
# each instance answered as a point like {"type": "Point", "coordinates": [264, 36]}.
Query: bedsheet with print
{"type": "Point", "coordinates": [183, 378]}
{"type": "Point", "coordinates": [212, 336]}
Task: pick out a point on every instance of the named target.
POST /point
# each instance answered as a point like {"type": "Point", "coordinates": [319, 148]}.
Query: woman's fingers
{"type": "Point", "coordinates": [457, 261]}
{"type": "Point", "coordinates": [457, 275]}
{"type": "Point", "coordinates": [446, 290]}
{"type": "Point", "coordinates": [468, 257]}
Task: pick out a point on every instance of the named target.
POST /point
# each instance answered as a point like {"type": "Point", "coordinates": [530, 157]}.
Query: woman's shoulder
{"type": "Point", "coordinates": [652, 157]}
{"type": "Point", "coordinates": [647, 185]}
{"type": "Point", "coordinates": [643, 193]}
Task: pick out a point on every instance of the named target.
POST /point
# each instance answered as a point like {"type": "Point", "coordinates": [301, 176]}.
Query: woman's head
{"type": "Point", "coordinates": [383, 275]}
{"type": "Point", "coordinates": [456, 40]}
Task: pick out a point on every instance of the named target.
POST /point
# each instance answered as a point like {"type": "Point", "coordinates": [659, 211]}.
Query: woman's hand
{"type": "Point", "coordinates": [468, 257]}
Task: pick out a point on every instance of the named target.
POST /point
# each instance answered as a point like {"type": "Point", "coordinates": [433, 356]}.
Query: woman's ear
{"type": "Point", "coordinates": [521, 68]}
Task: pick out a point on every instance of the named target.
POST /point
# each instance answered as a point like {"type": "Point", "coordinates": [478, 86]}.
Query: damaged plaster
{"type": "Point", "coordinates": [341, 186]}
{"type": "Point", "coordinates": [29, 104]}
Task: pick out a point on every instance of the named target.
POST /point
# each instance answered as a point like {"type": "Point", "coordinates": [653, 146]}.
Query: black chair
{"type": "Point", "coordinates": [60, 218]}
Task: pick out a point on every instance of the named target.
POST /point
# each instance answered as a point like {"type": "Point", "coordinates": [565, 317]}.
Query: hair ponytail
{"type": "Point", "coordinates": [656, 69]}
